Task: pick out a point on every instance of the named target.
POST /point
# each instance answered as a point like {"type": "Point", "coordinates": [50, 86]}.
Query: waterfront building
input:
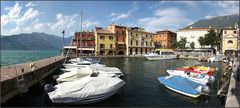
{"type": "Point", "coordinates": [229, 40]}
{"type": "Point", "coordinates": [192, 34]}
{"type": "Point", "coordinates": [164, 39]}
{"type": "Point", "coordinates": [104, 42]}
{"type": "Point", "coordinates": [87, 44]}
{"type": "Point", "coordinates": [120, 34]}
{"type": "Point", "coordinates": [139, 42]}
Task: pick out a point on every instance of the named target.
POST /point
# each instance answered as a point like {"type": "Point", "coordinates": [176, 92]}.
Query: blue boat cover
{"type": "Point", "coordinates": [181, 84]}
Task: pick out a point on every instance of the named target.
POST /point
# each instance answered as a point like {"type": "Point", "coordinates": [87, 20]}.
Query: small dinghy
{"type": "Point", "coordinates": [86, 90]}
{"type": "Point", "coordinates": [184, 86]}
{"type": "Point", "coordinates": [196, 77]}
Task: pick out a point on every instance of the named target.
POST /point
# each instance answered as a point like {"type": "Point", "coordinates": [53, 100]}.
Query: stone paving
{"type": "Point", "coordinates": [9, 72]}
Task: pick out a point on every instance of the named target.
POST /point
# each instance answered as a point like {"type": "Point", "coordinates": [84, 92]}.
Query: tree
{"type": "Point", "coordinates": [192, 44]}
{"type": "Point", "coordinates": [175, 44]}
{"type": "Point", "coordinates": [201, 41]}
{"type": "Point", "coordinates": [182, 43]}
{"type": "Point", "coordinates": [211, 38]}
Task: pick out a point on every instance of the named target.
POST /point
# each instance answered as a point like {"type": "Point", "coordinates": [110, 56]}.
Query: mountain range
{"type": "Point", "coordinates": [33, 41]}
{"type": "Point", "coordinates": [217, 22]}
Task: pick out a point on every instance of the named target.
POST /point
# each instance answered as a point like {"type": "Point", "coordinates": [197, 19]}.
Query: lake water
{"type": "Point", "coordinates": [9, 57]}
{"type": "Point", "coordinates": [142, 88]}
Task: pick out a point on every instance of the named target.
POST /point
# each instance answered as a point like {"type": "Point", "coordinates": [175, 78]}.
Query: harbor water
{"type": "Point", "coordinates": [9, 57]}
{"type": "Point", "coordinates": [142, 88]}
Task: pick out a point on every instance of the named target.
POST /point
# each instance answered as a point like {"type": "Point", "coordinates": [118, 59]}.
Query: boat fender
{"type": "Point", "coordinates": [48, 88]}
{"type": "Point", "coordinates": [212, 78]}
{"type": "Point", "coordinates": [199, 89]}
{"type": "Point", "coordinates": [55, 77]}
{"type": "Point", "coordinates": [205, 90]}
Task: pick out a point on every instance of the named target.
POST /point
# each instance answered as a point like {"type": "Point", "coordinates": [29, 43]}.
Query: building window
{"type": "Point", "coordinates": [110, 37]}
{"type": "Point", "coordinates": [102, 46]}
{"type": "Point", "coordinates": [110, 46]}
{"type": "Point", "coordinates": [225, 32]}
{"type": "Point", "coordinates": [131, 43]}
{"type": "Point", "coordinates": [102, 37]}
{"type": "Point", "coordinates": [146, 43]}
{"type": "Point", "coordinates": [86, 44]}
{"type": "Point", "coordinates": [235, 32]}
{"type": "Point", "coordinates": [136, 43]}
{"type": "Point", "coordinates": [92, 44]}
{"type": "Point", "coordinates": [123, 32]}
{"type": "Point", "coordinates": [230, 41]}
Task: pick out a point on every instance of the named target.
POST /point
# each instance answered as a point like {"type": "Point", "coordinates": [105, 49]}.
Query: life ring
{"type": "Point", "coordinates": [33, 66]}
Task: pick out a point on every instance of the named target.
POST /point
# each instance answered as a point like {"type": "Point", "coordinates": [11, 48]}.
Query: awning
{"type": "Point", "coordinates": [86, 49]}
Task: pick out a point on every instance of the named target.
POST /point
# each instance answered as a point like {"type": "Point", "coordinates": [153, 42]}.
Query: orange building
{"type": "Point", "coordinates": [164, 39]}
{"type": "Point", "coordinates": [120, 34]}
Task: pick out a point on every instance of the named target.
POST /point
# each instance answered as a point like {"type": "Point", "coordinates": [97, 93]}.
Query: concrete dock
{"type": "Point", "coordinates": [16, 77]}
{"type": "Point", "coordinates": [233, 95]}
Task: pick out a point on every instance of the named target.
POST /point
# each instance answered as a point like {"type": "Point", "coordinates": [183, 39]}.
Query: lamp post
{"type": "Point", "coordinates": [63, 32]}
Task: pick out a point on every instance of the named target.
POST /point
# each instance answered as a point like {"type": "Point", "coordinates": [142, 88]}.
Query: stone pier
{"type": "Point", "coordinates": [29, 76]}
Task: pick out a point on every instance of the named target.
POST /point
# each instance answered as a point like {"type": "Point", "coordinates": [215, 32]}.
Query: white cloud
{"type": "Point", "coordinates": [39, 26]}
{"type": "Point", "coordinates": [228, 7]}
{"type": "Point", "coordinates": [29, 14]}
{"type": "Point", "coordinates": [119, 16]}
{"type": "Point", "coordinates": [27, 29]}
{"type": "Point", "coordinates": [169, 18]}
{"type": "Point", "coordinates": [12, 15]}
{"type": "Point", "coordinates": [89, 23]}
{"type": "Point", "coordinates": [15, 30]}
{"type": "Point", "coordinates": [14, 11]}
{"type": "Point", "coordinates": [30, 4]}
{"type": "Point", "coordinates": [64, 22]}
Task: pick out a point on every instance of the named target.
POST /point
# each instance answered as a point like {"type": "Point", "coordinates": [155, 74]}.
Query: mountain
{"type": "Point", "coordinates": [33, 41]}
{"type": "Point", "coordinates": [217, 22]}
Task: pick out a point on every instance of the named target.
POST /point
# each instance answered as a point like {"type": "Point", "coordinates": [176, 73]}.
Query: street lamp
{"type": "Point", "coordinates": [63, 32]}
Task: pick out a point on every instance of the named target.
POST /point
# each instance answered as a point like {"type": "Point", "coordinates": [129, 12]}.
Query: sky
{"type": "Point", "coordinates": [52, 17]}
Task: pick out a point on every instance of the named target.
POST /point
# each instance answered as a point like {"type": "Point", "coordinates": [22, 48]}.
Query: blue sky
{"type": "Point", "coordinates": [54, 16]}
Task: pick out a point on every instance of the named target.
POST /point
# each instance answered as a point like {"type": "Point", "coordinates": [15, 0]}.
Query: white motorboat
{"type": "Point", "coordinates": [74, 74]}
{"type": "Point", "coordinates": [78, 73]}
{"type": "Point", "coordinates": [196, 77]}
{"type": "Point", "coordinates": [160, 54]}
{"type": "Point", "coordinates": [86, 90]}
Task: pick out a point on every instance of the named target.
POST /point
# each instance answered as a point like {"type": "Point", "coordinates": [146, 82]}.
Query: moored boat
{"type": "Point", "coordinates": [86, 90]}
{"type": "Point", "coordinates": [196, 77]}
{"type": "Point", "coordinates": [183, 86]}
{"type": "Point", "coordinates": [161, 54]}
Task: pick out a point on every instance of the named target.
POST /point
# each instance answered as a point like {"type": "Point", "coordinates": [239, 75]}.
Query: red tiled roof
{"type": "Point", "coordinates": [104, 31]}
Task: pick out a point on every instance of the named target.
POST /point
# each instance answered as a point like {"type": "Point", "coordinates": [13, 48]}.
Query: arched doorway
{"type": "Point", "coordinates": [136, 51]}
{"type": "Point", "coordinates": [120, 53]}
{"type": "Point", "coordinates": [141, 51]}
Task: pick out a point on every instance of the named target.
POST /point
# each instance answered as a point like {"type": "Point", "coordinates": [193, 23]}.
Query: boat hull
{"type": "Point", "coordinates": [160, 57]}
{"type": "Point", "coordinates": [192, 76]}
{"type": "Point", "coordinates": [181, 85]}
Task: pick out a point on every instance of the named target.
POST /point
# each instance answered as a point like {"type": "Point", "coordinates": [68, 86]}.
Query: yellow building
{"type": "Point", "coordinates": [229, 40]}
{"type": "Point", "coordinates": [104, 42]}
{"type": "Point", "coordinates": [139, 41]}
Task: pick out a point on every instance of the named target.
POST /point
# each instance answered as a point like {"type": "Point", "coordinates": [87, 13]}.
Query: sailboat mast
{"type": "Point", "coordinates": [81, 35]}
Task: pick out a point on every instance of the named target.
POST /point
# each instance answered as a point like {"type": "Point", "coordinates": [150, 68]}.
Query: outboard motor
{"type": "Point", "coordinates": [48, 88]}
{"type": "Point", "coordinates": [203, 90]}
{"type": "Point", "coordinates": [55, 77]}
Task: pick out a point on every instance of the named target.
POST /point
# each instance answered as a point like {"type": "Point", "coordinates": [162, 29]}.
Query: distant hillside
{"type": "Point", "coordinates": [217, 22]}
{"type": "Point", "coordinates": [34, 41]}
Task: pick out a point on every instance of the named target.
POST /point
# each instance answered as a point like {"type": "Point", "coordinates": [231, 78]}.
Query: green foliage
{"type": "Point", "coordinates": [175, 44]}
{"type": "Point", "coordinates": [201, 41]}
{"type": "Point", "coordinates": [210, 38]}
{"type": "Point", "coordinates": [192, 44]}
{"type": "Point", "coordinates": [182, 43]}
